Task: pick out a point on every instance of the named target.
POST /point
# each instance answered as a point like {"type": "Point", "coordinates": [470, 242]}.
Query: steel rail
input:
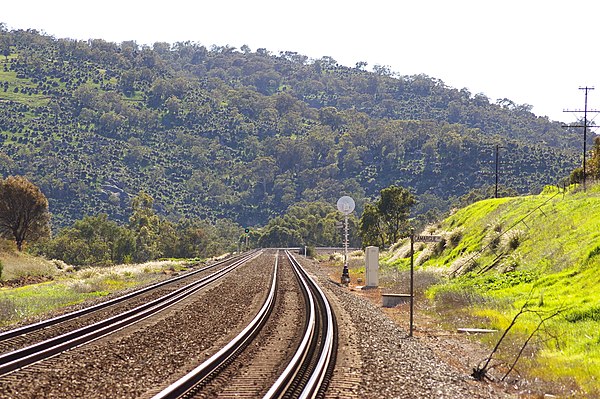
{"type": "Point", "coordinates": [25, 356]}
{"type": "Point", "coordinates": [191, 381]}
{"type": "Point", "coordinates": [304, 377]}
{"type": "Point", "coordinates": [78, 313]}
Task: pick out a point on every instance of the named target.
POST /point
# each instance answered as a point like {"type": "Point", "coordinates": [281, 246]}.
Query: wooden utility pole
{"type": "Point", "coordinates": [585, 112]}
{"type": "Point", "coordinates": [498, 146]}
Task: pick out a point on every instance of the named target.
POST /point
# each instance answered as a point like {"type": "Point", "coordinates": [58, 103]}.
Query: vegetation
{"type": "Point", "coordinates": [592, 166]}
{"type": "Point", "coordinates": [69, 287]}
{"type": "Point", "coordinates": [23, 211]}
{"type": "Point", "coordinates": [387, 220]}
{"type": "Point", "coordinates": [499, 255]}
{"type": "Point", "coordinates": [97, 240]}
{"type": "Point", "coordinates": [308, 224]}
{"type": "Point", "coordinates": [224, 133]}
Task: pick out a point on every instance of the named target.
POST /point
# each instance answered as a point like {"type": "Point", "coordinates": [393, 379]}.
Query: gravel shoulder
{"type": "Point", "coordinates": [379, 360]}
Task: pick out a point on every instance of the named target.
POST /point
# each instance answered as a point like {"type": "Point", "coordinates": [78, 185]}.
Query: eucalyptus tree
{"type": "Point", "coordinates": [24, 212]}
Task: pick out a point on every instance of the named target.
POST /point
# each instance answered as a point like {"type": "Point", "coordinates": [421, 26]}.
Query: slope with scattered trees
{"type": "Point", "coordinates": [240, 134]}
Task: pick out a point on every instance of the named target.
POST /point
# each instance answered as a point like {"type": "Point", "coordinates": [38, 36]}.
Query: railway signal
{"type": "Point", "coordinates": [247, 233]}
{"type": "Point", "coordinates": [345, 205]}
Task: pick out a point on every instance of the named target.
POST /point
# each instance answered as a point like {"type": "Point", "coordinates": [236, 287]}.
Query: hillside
{"type": "Point", "coordinates": [499, 254]}
{"type": "Point", "coordinates": [241, 134]}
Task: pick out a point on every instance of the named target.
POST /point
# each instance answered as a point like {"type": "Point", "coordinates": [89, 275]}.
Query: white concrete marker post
{"type": "Point", "coordinates": [372, 266]}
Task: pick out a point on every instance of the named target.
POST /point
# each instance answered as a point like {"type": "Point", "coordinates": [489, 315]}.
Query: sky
{"type": "Point", "coordinates": [536, 52]}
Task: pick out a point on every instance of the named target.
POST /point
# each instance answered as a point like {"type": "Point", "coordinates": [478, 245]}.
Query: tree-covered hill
{"type": "Point", "coordinates": [244, 134]}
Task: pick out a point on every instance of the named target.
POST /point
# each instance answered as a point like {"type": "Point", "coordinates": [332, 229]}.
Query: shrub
{"type": "Point", "coordinates": [495, 226]}
{"type": "Point", "coordinates": [492, 241]}
{"type": "Point", "coordinates": [457, 298]}
{"type": "Point", "coordinates": [454, 238]}
{"type": "Point", "coordinates": [589, 314]}
{"type": "Point", "coordinates": [594, 252]}
{"type": "Point", "coordinates": [513, 239]}
{"type": "Point", "coordinates": [60, 265]}
{"type": "Point", "coordinates": [464, 265]}
{"type": "Point", "coordinates": [82, 287]}
{"type": "Point", "coordinates": [400, 281]}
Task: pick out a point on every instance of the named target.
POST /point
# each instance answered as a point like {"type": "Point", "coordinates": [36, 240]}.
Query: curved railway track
{"type": "Point", "coordinates": [25, 356]}
{"type": "Point", "coordinates": [309, 371]}
{"type": "Point", "coordinates": [310, 366]}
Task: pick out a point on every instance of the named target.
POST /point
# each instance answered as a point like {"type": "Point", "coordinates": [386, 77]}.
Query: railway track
{"type": "Point", "coordinates": [38, 351]}
{"type": "Point", "coordinates": [6, 335]}
{"type": "Point", "coordinates": [266, 331]}
{"type": "Point", "coordinates": [308, 373]}
{"type": "Point", "coordinates": [308, 368]}
{"type": "Point", "coordinates": [17, 338]}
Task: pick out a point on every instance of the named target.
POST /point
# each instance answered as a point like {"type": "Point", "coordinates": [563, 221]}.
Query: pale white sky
{"type": "Point", "coordinates": [537, 52]}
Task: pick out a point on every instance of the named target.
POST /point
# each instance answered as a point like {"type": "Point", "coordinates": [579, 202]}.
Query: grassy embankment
{"type": "Point", "coordinates": [499, 254]}
{"type": "Point", "coordinates": [56, 285]}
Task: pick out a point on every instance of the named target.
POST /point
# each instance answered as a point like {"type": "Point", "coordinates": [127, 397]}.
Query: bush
{"type": "Point", "coordinates": [576, 176]}
{"type": "Point", "coordinates": [589, 314]}
{"type": "Point", "coordinates": [399, 282]}
{"type": "Point", "coordinates": [513, 239]}
{"type": "Point", "coordinates": [493, 241]}
{"type": "Point", "coordinates": [464, 265]}
{"type": "Point", "coordinates": [457, 298]}
{"type": "Point", "coordinates": [454, 238]}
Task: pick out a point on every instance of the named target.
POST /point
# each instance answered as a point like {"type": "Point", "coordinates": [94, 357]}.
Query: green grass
{"type": "Point", "coordinates": [547, 256]}
{"type": "Point", "coordinates": [36, 299]}
{"type": "Point", "coordinates": [33, 100]}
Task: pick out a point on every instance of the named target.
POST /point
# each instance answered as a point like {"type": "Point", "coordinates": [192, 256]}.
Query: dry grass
{"type": "Point", "coordinates": [18, 265]}
{"type": "Point", "coordinates": [68, 286]}
{"type": "Point", "coordinates": [8, 309]}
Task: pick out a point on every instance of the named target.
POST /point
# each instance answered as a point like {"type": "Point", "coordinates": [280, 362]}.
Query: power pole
{"type": "Point", "coordinates": [498, 146]}
{"type": "Point", "coordinates": [585, 111]}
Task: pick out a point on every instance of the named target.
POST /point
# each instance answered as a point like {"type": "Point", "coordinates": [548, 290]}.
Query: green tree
{"type": "Point", "coordinates": [194, 237]}
{"type": "Point", "coordinates": [394, 208]}
{"type": "Point", "coordinates": [265, 168]}
{"type": "Point", "coordinates": [594, 161]}
{"type": "Point", "coordinates": [305, 223]}
{"type": "Point", "coordinates": [145, 225]}
{"type": "Point", "coordinates": [371, 227]}
{"type": "Point", "coordinates": [4, 45]}
{"type": "Point", "coordinates": [279, 236]}
{"type": "Point", "coordinates": [24, 212]}
{"type": "Point", "coordinates": [93, 240]}
{"type": "Point", "coordinates": [386, 221]}
{"type": "Point", "coordinates": [168, 239]}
